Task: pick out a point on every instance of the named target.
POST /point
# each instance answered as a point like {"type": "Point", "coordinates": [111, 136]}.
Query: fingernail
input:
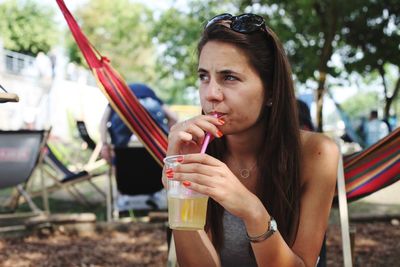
{"type": "Point", "coordinates": [221, 121]}
{"type": "Point", "coordinates": [170, 174]}
{"type": "Point", "coordinates": [186, 183]}
{"type": "Point", "coordinates": [219, 134]}
{"type": "Point", "coordinates": [169, 170]}
{"type": "Point", "coordinates": [180, 159]}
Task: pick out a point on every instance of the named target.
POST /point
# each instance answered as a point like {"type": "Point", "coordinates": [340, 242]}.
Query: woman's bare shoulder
{"type": "Point", "coordinates": [314, 144]}
{"type": "Point", "coordinates": [319, 155]}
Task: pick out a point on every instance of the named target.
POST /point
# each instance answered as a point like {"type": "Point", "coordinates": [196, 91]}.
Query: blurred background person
{"type": "Point", "coordinates": [113, 126]}
{"type": "Point", "coordinates": [375, 129]}
{"type": "Point", "coordinates": [304, 116]}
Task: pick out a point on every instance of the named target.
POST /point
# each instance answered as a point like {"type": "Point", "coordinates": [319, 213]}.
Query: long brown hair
{"type": "Point", "coordinates": [278, 161]}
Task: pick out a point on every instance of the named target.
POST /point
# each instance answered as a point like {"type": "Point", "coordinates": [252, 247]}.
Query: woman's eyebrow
{"type": "Point", "coordinates": [201, 70]}
{"type": "Point", "coordinates": [227, 71]}
{"type": "Point", "coordinates": [221, 72]}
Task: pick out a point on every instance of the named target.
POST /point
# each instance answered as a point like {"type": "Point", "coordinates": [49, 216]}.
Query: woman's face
{"type": "Point", "coordinates": [230, 86]}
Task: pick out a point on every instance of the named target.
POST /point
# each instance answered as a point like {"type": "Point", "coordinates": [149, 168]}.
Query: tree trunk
{"type": "Point", "coordinates": [385, 91]}
{"type": "Point", "coordinates": [329, 21]}
{"type": "Point", "coordinates": [320, 99]}
{"type": "Point", "coordinates": [389, 100]}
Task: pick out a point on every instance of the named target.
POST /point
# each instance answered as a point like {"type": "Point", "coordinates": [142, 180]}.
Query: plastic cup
{"type": "Point", "coordinates": [187, 209]}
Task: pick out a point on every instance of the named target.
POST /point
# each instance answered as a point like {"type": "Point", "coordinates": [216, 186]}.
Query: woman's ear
{"type": "Point", "coordinates": [268, 99]}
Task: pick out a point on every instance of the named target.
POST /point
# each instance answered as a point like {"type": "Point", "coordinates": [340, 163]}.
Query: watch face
{"type": "Point", "coordinates": [274, 226]}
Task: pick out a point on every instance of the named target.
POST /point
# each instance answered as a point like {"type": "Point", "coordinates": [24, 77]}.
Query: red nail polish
{"type": "Point", "coordinates": [179, 159]}
{"type": "Point", "coordinates": [219, 134]}
{"type": "Point", "coordinates": [170, 175]}
{"type": "Point", "coordinates": [221, 121]}
{"type": "Point", "coordinates": [186, 183]}
{"type": "Point", "coordinates": [169, 170]}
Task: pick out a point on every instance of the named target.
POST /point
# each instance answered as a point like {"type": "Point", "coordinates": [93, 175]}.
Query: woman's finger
{"type": "Point", "coordinates": [185, 136]}
{"type": "Point", "coordinates": [195, 178]}
{"type": "Point", "coordinates": [210, 125]}
{"type": "Point", "coordinates": [196, 131]}
{"type": "Point", "coordinates": [202, 159]}
{"type": "Point", "coordinates": [197, 168]}
{"type": "Point", "coordinates": [206, 123]}
{"type": "Point", "coordinates": [200, 188]}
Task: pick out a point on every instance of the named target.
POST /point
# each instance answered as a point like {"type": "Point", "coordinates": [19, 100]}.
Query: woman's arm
{"type": "Point", "coordinates": [106, 148]}
{"type": "Point", "coordinates": [211, 177]}
{"type": "Point", "coordinates": [320, 159]}
{"type": "Point", "coordinates": [103, 124]}
{"type": "Point", "coordinates": [320, 175]}
{"type": "Point", "coordinates": [194, 248]}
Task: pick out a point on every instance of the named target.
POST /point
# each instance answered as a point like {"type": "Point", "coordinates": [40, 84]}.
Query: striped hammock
{"type": "Point", "coordinates": [373, 168]}
{"type": "Point", "coordinates": [365, 172]}
{"type": "Point", "coordinates": [121, 98]}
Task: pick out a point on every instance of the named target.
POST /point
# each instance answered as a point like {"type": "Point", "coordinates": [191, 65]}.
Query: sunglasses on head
{"type": "Point", "coordinates": [245, 23]}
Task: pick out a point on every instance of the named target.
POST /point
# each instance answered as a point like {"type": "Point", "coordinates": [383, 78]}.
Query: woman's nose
{"type": "Point", "coordinates": [214, 92]}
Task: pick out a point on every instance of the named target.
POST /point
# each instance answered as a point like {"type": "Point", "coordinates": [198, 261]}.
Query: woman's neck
{"type": "Point", "coordinates": [242, 156]}
{"type": "Point", "coordinates": [245, 145]}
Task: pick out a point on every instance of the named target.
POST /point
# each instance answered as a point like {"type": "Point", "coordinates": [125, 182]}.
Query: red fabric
{"type": "Point", "coordinates": [373, 168]}
{"type": "Point", "coordinates": [118, 93]}
{"type": "Point", "coordinates": [350, 172]}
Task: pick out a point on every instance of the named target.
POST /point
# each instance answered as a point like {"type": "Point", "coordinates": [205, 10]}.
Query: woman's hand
{"type": "Point", "coordinates": [209, 176]}
{"type": "Point", "coordinates": [188, 136]}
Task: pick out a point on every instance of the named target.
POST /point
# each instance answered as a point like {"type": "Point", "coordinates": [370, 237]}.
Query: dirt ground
{"type": "Point", "coordinates": [376, 244]}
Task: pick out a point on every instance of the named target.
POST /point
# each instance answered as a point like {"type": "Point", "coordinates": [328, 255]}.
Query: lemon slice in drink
{"type": "Point", "coordinates": [185, 211]}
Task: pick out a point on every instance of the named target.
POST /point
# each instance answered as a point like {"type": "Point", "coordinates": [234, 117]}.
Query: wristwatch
{"type": "Point", "coordinates": [272, 228]}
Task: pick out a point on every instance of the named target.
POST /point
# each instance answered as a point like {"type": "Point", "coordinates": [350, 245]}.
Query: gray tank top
{"type": "Point", "coordinates": [236, 249]}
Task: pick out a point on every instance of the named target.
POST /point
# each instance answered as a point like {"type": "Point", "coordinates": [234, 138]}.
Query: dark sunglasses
{"type": "Point", "coordinates": [245, 23]}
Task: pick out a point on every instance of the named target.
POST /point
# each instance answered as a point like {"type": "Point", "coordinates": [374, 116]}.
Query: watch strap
{"type": "Point", "coordinates": [272, 228]}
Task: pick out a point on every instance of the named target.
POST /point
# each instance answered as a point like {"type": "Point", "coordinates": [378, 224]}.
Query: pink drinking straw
{"type": "Point", "coordinates": [205, 143]}
{"type": "Point", "coordinates": [207, 139]}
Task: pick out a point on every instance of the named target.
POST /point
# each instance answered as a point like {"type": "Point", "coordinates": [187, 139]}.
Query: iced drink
{"type": "Point", "coordinates": [187, 209]}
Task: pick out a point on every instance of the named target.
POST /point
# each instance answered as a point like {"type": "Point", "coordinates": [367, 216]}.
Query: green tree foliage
{"type": "Point", "coordinates": [120, 30]}
{"type": "Point", "coordinates": [27, 27]}
{"type": "Point", "coordinates": [372, 36]}
{"type": "Point", "coordinates": [312, 31]}
{"type": "Point", "coordinates": [177, 33]}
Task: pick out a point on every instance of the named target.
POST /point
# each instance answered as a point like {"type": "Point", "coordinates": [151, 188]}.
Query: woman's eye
{"type": "Point", "coordinates": [203, 77]}
{"type": "Point", "coordinates": [230, 78]}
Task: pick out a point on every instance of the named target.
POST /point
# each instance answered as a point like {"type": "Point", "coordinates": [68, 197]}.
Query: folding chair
{"type": "Point", "coordinates": [137, 177]}
{"type": "Point", "coordinates": [20, 154]}
{"type": "Point", "coordinates": [65, 179]}
{"type": "Point", "coordinates": [95, 161]}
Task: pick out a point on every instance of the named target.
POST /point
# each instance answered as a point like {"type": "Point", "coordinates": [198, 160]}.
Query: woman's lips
{"type": "Point", "coordinates": [219, 114]}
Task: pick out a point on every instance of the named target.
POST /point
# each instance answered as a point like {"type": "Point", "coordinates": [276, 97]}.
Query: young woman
{"type": "Point", "coordinates": [270, 184]}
